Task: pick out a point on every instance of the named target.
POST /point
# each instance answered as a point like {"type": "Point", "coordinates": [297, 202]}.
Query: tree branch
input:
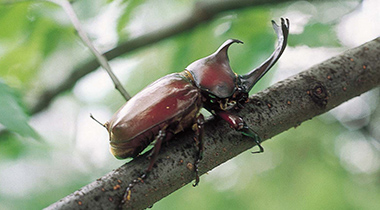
{"type": "Point", "coordinates": [202, 12]}
{"type": "Point", "coordinates": [284, 105]}
{"type": "Point", "coordinates": [101, 59]}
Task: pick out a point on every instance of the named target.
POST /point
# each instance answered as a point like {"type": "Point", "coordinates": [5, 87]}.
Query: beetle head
{"type": "Point", "coordinates": [214, 74]}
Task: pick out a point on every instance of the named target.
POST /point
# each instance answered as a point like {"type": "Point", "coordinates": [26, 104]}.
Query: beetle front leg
{"type": "Point", "coordinates": [238, 124]}
{"type": "Point", "coordinates": [162, 134]}
{"type": "Point", "coordinates": [198, 129]}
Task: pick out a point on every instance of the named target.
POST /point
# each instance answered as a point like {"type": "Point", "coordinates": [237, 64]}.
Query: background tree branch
{"type": "Point", "coordinates": [66, 6]}
{"type": "Point", "coordinates": [284, 105]}
{"type": "Point", "coordinates": [201, 13]}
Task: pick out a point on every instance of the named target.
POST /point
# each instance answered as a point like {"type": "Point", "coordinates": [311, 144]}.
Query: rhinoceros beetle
{"type": "Point", "coordinates": [172, 103]}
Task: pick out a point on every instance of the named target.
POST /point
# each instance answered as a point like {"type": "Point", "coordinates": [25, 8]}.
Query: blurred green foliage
{"type": "Point", "coordinates": [12, 115]}
{"type": "Point", "coordinates": [301, 168]}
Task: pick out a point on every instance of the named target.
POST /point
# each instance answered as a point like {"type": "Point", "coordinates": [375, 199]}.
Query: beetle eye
{"type": "Point", "coordinates": [212, 101]}
{"type": "Point", "coordinates": [231, 103]}
{"type": "Point", "coordinates": [211, 96]}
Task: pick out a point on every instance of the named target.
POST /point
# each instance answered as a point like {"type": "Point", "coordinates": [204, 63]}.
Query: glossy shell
{"type": "Point", "coordinates": [213, 80]}
{"type": "Point", "coordinates": [171, 103]}
{"type": "Point", "coordinates": [213, 73]}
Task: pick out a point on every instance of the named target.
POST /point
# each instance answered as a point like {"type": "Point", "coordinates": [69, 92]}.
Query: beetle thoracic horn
{"type": "Point", "coordinates": [213, 73]}
{"type": "Point", "coordinates": [220, 56]}
{"type": "Point", "coordinates": [250, 79]}
{"type": "Point", "coordinates": [221, 53]}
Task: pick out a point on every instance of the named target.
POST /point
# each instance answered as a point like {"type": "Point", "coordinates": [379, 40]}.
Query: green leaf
{"type": "Point", "coordinates": [12, 23]}
{"type": "Point", "coordinates": [12, 116]}
{"type": "Point", "coordinates": [11, 147]}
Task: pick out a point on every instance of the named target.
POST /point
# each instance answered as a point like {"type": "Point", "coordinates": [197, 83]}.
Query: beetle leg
{"type": "Point", "coordinates": [198, 129]}
{"type": "Point", "coordinates": [238, 124]}
{"type": "Point", "coordinates": [156, 149]}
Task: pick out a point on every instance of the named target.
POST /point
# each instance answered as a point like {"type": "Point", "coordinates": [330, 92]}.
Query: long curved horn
{"type": "Point", "coordinates": [250, 79]}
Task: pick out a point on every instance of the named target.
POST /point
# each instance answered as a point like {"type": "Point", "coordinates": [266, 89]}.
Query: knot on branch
{"type": "Point", "coordinates": [319, 94]}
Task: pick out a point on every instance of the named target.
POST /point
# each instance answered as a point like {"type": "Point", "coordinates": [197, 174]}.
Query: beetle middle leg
{"type": "Point", "coordinates": [238, 124]}
{"type": "Point", "coordinates": [199, 130]}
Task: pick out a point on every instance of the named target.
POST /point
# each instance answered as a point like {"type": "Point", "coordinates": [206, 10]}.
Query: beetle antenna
{"type": "Point", "coordinates": [92, 117]}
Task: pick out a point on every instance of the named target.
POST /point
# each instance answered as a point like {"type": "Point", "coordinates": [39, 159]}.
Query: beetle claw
{"type": "Point", "coordinates": [128, 191]}
{"type": "Point", "coordinates": [196, 173]}
{"type": "Point", "coordinates": [249, 132]}
{"type": "Point", "coordinates": [260, 147]}
{"type": "Point", "coordinates": [196, 181]}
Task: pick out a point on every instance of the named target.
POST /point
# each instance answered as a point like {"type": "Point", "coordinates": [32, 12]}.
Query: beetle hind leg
{"type": "Point", "coordinates": [162, 135]}
{"type": "Point", "coordinates": [198, 138]}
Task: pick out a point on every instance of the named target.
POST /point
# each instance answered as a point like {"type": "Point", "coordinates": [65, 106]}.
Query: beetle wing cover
{"type": "Point", "coordinates": [167, 98]}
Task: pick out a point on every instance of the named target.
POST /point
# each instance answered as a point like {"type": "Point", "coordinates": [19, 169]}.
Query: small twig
{"type": "Point", "coordinates": [65, 4]}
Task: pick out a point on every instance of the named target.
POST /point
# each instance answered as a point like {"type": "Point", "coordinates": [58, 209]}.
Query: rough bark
{"type": "Point", "coordinates": [284, 105]}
